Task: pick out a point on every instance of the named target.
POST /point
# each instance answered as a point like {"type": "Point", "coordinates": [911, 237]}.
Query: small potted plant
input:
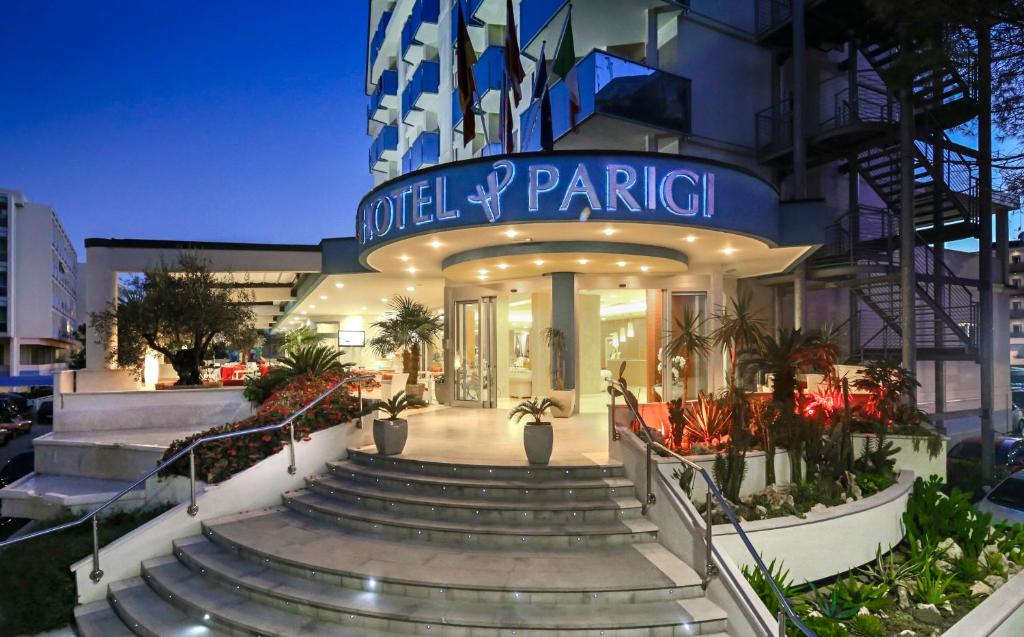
{"type": "Point", "coordinates": [537, 435]}
{"type": "Point", "coordinates": [563, 400]}
{"type": "Point", "coordinates": [390, 434]}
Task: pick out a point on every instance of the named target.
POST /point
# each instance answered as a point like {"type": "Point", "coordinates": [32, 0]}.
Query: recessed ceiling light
{"type": "Point", "coordinates": [435, 244]}
{"type": "Point", "coordinates": [410, 289]}
{"type": "Point", "coordinates": [503, 266]}
{"type": "Point", "coordinates": [728, 250]}
{"type": "Point", "coordinates": [608, 232]}
{"type": "Point", "coordinates": [482, 277]}
{"type": "Point", "coordinates": [644, 268]}
{"type": "Point", "coordinates": [303, 312]}
{"type": "Point", "coordinates": [583, 261]}
{"type": "Point", "coordinates": [411, 270]}
{"type": "Point", "coordinates": [621, 264]}
{"type": "Point", "coordinates": [383, 299]}
{"type": "Point", "coordinates": [510, 233]}
{"type": "Point", "coordinates": [312, 307]}
{"type": "Point", "coordinates": [538, 261]}
{"type": "Point", "coordinates": [323, 297]}
{"type": "Point", "coordinates": [363, 308]}
{"type": "Point", "coordinates": [339, 285]}
{"type": "Point", "coordinates": [483, 272]}
{"type": "Point", "coordinates": [690, 238]}
{"type": "Point", "coordinates": [404, 257]}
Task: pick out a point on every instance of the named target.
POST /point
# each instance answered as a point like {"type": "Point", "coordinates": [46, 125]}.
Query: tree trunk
{"type": "Point", "coordinates": [185, 365]}
{"type": "Point", "coordinates": [411, 362]}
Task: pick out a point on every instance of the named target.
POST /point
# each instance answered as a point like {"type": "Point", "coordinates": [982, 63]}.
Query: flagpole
{"type": "Point", "coordinates": [483, 115]}
{"type": "Point", "coordinates": [533, 117]}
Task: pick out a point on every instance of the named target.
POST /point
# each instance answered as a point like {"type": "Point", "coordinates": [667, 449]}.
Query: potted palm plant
{"type": "Point", "coordinates": [690, 343]}
{"type": "Point", "coordinates": [563, 400]}
{"type": "Point", "coordinates": [390, 434]}
{"type": "Point", "coordinates": [537, 434]}
{"type": "Point", "coordinates": [406, 329]}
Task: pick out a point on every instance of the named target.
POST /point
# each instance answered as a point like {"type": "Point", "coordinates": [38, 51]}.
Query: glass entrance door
{"type": "Point", "coordinates": [475, 360]}
{"type": "Point", "coordinates": [679, 375]}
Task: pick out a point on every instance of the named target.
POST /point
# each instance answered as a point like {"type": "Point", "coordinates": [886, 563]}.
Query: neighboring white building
{"type": "Point", "coordinates": [38, 283]}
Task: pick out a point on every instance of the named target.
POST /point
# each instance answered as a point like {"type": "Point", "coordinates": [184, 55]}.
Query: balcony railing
{"type": "Point", "coordinates": [534, 15]}
{"type": "Point", "coordinates": [424, 12]}
{"type": "Point", "coordinates": [425, 151]}
{"type": "Point", "coordinates": [377, 41]}
{"type": "Point", "coordinates": [619, 88]}
{"type": "Point", "coordinates": [386, 87]}
{"type": "Point", "coordinates": [489, 72]}
{"type": "Point", "coordinates": [425, 81]}
{"type": "Point", "coordinates": [386, 141]}
{"type": "Point", "coordinates": [771, 14]}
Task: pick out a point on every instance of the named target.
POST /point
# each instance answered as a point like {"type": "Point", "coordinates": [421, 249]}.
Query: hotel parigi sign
{"type": "Point", "coordinates": [566, 187]}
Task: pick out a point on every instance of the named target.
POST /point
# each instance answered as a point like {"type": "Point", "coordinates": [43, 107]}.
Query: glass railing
{"type": "Point", "coordinates": [386, 140]}
{"type": "Point", "coordinates": [425, 80]}
{"type": "Point", "coordinates": [489, 72]}
{"type": "Point", "coordinates": [425, 151]}
{"type": "Point", "coordinates": [469, 7]}
{"type": "Point", "coordinates": [534, 16]}
{"type": "Point", "coordinates": [377, 41]}
{"type": "Point", "coordinates": [619, 88]}
{"type": "Point", "coordinates": [386, 86]}
{"type": "Point", "coordinates": [423, 12]}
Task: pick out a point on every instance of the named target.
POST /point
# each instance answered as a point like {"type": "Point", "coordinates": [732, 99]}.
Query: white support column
{"type": "Point", "coordinates": [100, 292]}
{"type": "Point", "coordinates": [800, 298]}
{"type": "Point", "coordinates": [651, 50]}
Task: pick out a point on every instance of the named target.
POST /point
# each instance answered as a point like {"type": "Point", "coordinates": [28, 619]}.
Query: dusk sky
{"type": "Point", "coordinates": [218, 121]}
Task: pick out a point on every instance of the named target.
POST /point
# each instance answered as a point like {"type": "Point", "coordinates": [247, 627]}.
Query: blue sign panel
{"type": "Point", "coordinates": [565, 186]}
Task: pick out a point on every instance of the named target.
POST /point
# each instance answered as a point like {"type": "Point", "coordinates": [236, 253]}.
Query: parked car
{"type": "Point", "coordinates": [5, 437]}
{"type": "Point", "coordinates": [44, 412]}
{"type": "Point", "coordinates": [11, 419]}
{"type": "Point", "coordinates": [18, 401]}
{"type": "Point", "coordinates": [17, 467]}
{"type": "Point", "coordinates": [963, 461]}
{"type": "Point", "coordinates": [1017, 427]}
{"type": "Point", "coordinates": [1006, 501]}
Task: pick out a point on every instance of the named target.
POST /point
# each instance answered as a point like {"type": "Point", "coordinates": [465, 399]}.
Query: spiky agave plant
{"type": "Point", "coordinates": [394, 406]}
{"type": "Point", "coordinates": [706, 420]}
{"type": "Point", "coordinates": [534, 408]}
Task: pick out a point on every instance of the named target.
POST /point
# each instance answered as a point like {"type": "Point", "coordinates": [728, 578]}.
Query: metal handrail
{"type": "Point", "coordinates": [193, 509]}
{"type": "Point", "coordinates": [709, 568]}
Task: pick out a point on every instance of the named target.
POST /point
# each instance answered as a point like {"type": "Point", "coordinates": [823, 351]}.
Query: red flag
{"type": "Point", "coordinates": [508, 142]}
{"type": "Point", "coordinates": [513, 64]}
{"type": "Point", "coordinates": [465, 59]}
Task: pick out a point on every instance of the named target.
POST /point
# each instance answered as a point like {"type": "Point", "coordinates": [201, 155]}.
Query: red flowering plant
{"type": "Point", "coordinates": [218, 460]}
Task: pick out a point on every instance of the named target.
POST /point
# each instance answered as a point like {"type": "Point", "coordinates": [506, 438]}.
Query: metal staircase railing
{"type": "Point", "coordinates": [193, 509]}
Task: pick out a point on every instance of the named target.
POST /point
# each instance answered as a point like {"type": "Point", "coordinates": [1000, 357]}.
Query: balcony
{"type": "Point", "coordinates": [620, 100]}
{"type": "Point", "coordinates": [425, 151]}
{"type": "Point", "coordinates": [421, 91]}
{"type": "Point", "coordinates": [1017, 314]}
{"type": "Point", "coordinates": [420, 27]}
{"type": "Point", "coordinates": [377, 41]}
{"type": "Point", "coordinates": [489, 72]}
{"type": "Point", "coordinates": [384, 97]}
{"type": "Point", "coordinates": [1016, 266]}
{"type": "Point", "coordinates": [384, 148]}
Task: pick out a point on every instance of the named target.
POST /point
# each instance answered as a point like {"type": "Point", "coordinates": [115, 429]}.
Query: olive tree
{"type": "Point", "coordinates": [177, 310]}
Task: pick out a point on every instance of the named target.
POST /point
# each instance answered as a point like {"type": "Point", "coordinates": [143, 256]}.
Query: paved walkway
{"type": "Point", "coordinates": [485, 436]}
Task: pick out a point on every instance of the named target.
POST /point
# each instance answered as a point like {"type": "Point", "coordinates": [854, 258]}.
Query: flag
{"type": "Point", "coordinates": [564, 66]}
{"type": "Point", "coordinates": [513, 64]}
{"type": "Point", "coordinates": [540, 91]}
{"type": "Point", "coordinates": [465, 59]}
{"type": "Point", "coordinates": [508, 143]}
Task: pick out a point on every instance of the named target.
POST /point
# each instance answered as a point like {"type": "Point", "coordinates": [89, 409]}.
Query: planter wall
{"type": "Point", "coordinates": [1001, 615]}
{"type": "Point", "coordinates": [910, 458]}
{"type": "Point", "coordinates": [180, 409]}
{"type": "Point", "coordinates": [829, 542]}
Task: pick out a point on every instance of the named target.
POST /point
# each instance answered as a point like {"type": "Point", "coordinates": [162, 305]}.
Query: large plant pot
{"type": "Point", "coordinates": [441, 393]}
{"type": "Point", "coordinates": [414, 392]}
{"type": "Point", "coordinates": [390, 435]}
{"type": "Point", "coordinates": [566, 399]}
{"type": "Point", "coordinates": [537, 440]}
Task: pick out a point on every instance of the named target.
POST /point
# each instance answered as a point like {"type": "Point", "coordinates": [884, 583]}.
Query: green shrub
{"type": "Point", "coordinates": [764, 590]}
{"type": "Point", "coordinates": [888, 571]}
{"type": "Point", "coordinates": [932, 516]}
{"type": "Point", "coordinates": [832, 605]}
{"type": "Point", "coordinates": [872, 483]}
{"type": "Point", "coordinates": [967, 569]}
{"type": "Point", "coordinates": [867, 626]}
{"type": "Point", "coordinates": [855, 593]}
{"type": "Point", "coordinates": [825, 627]}
{"type": "Point", "coordinates": [930, 587]}
{"type": "Point", "coordinates": [40, 589]}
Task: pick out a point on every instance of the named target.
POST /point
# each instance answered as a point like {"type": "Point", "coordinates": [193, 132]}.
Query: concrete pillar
{"type": "Point", "coordinates": [100, 293]}
{"type": "Point", "coordinates": [908, 282]}
{"type": "Point", "coordinates": [800, 298]}
{"type": "Point", "coordinates": [15, 344]}
{"type": "Point", "coordinates": [777, 310]}
{"type": "Point", "coordinates": [799, 90]}
{"type": "Point", "coordinates": [938, 290]}
{"type": "Point", "coordinates": [652, 58]}
{"type": "Point", "coordinates": [563, 317]}
{"type": "Point", "coordinates": [1003, 248]}
{"type": "Point", "coordinates": [986, 332]}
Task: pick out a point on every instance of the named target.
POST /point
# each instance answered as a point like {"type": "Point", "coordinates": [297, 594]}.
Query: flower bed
{"type": "Point", "coordinates": [951, 559]}
{"type": "Point", "coordinates": [218, 460]}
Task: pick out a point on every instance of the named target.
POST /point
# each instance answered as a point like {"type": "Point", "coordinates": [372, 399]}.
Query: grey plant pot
{"type": "Point", "coordinates": [538, 439]}
{"type": "Point", "coordinates": [390, 435]}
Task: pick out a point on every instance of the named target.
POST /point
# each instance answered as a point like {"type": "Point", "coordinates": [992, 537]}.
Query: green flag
{"type": "Point", "coordinates": [565, 56]}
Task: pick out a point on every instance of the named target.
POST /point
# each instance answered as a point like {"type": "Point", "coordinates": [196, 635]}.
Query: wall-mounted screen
{"type": "Point", "coordinates": [351, 338]}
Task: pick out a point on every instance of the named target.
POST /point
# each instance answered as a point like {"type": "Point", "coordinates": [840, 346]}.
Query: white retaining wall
{"type": "Point", "coordinates": [1001, 615]}
{"type": "Point", "coordinates": [177, 409]}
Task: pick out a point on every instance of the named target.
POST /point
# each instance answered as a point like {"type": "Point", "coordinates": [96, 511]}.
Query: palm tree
{"type": "Point", "coordinates": [739, 331]}
{"type": "Point", "coordinates": [310, 358]}
{"type": "Point", "coordinates": [690, 342]}
{"type": "Point", "coordinates": [406, 328]}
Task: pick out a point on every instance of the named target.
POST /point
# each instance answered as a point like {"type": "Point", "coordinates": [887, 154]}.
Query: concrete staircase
{"type": "Point", "coordinates": [391, 546]}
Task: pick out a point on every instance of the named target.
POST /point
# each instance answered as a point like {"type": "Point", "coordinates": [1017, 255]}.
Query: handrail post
{"type": "Point", "coordinates": [96, 574]}
{"type": "Point", "coordinates": [359, 422]}
{"type": "Point", "coordinates": [709, 563]}
{"type": "Point", "coordinates": [782, 623]}
{"type": "Point", "coordinates": [650, 499]}
{"type": "Point", "coordinates": [193, 508]}
{"type": "Point", "coordinates": [291, 447]}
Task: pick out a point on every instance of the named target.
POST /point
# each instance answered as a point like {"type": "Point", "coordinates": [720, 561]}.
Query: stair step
{"type": "Point", "coordinates": [98, 619]}
{"type": "Point", "coordinates": [397, 524]}
{"type": "Point", "coordinates": [478, 487]}
{"type": "Point", "coordinates": [325, 610]}
{"type": "Point", "coordinates": [144, 612]}
{"type": "Point", "coordinates": [523, 510]}
{"type": "Point", "coordinates": [521, 473]}
{"type": "Point", "coordinates": [300, 545]}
